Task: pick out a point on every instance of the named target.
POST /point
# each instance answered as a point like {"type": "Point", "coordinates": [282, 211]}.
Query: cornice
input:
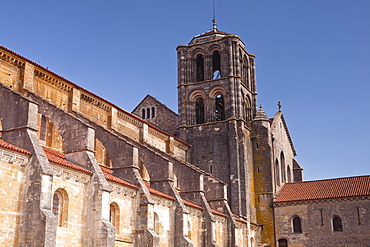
{"type": "Point", "coordinates": [321, 201]}
{"type": "Point", "coordinates": [69, 174]}
{"type": "Point", "coordinates": [13, 157]}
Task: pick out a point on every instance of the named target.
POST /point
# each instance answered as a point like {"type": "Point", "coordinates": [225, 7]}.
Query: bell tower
{"type": "Point", "coordinates": [216, 103]}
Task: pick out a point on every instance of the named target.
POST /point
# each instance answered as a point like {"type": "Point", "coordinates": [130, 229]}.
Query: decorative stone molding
{"type": "Point", "coordinates": [162, 202]}
{"type": "Point", "coordinates": [13, 158]}
{"type": "Point", "coordinates": [11, 59]}
{"type": "Point", "coordinates": [69, 174]}
{"type": "Point", "coordinates": [194, 212]}
{"type": "Point", "coordinates": [52, 80]}
{"type": "Point", "coordinates": [122, 190]}
{"type": "Point", "coordinates": [98, 103]}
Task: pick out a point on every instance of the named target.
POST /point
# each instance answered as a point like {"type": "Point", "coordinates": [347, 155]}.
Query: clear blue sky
{"type": "Point", "coordinates": [313, 56]}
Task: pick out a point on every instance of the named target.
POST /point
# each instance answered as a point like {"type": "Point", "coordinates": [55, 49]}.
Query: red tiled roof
{"type": "Point", "coordinates": [57, 157]}
{"type": "Point", "coordinates": [240, 219]}
{"type": "Point", "coordinates": [7, 145]}
{"type": "Point", "coordinates": [108, 174]}
{"type": "Point", "coordinates": [115, 179]}
{"type": "Point", "coordinates": [158, 193]}
{"type": "Point", "coordinates": [325, 189]}
{"type": "Point", "coordinates": [190, 204]}
{"type": "Point", "coordinates": [218, 213]}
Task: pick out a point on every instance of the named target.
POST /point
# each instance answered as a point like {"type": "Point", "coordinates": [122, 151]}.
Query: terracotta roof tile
{"type": "Point", "coordinates": [325, 189]}
{"type": "Point", "coordinates": [7, 145]}
{"type": "Point", "coordinates": [240, 219]}
{"type": "Point", "coordinates": [218, 213]}
{"type": "Point", "coordinates": [115, 179]}
{"type": "Point", "coordinates": [57, 157]}
{"type": "Point", "coordinates": [158, 193]}
{"type": "Point", "coordinates": [190, 204]}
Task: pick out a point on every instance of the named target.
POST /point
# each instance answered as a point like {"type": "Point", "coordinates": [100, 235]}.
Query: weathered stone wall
{"type": "Point", "coordinates": [25, 76]}
{"type": "Point", "coordinates": [195, 225]}
{"type": "Point", "coordinates": [159, 114]}
{"type": "Point", "coordinates": [317, 226]}
{"type": "Point", "coordinates": [283, 151]}
{"type": "Point", "coordinates": [126, 200]}
{"type": "Point", "coordinates": [221, 230]}
{"type": "Point", "coordinates": [74, 184]}
{"type": "Point", "coordinates": [12, 168]}
{"type": "Point", "coordinates": [163, 225]}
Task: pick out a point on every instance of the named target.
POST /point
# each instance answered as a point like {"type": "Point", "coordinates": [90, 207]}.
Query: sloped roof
{"type": "Point", "coordinates": [212, 32]}
{"type": "Point", "coordinates": [7, 145]}
{"type": "Point", "coordinates": [148, 97]}
{"type": "Point", "coordinates": [280, 114]}
{"type": "Point", "coordinates": [325, 189]}
{"type": "Point", "coordinates": [108, 174]}
{"type": "Point", "coordinates": [57, 157]}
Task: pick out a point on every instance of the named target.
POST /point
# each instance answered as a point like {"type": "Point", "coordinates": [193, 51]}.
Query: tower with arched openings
{"type": "Point", "coordinates": [217, 102]}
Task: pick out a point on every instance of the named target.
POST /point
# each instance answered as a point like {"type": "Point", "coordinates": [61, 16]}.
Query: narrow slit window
{"type": "Point", "coordinates": [143, 113]}
{"type": "Point", "coordinates": [153, 112]}
{"type": "Point", "coordinates": [148, 113]}
{"type": "Point", "coordinates": [43, 128]}
{"type": "Point", "coordinates": [199, 111]}
{"type": "Point", "coordinates": [200, 68]}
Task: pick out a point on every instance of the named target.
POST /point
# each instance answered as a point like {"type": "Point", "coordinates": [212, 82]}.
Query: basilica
{"type": "Point", "coordinates": [77, 170]}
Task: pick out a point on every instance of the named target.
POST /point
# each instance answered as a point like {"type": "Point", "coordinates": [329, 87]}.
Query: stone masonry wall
{"type": "Point", "coordinates": [316, 220]}
{"type": "Point", "coordinates": [11, 182]}
{"type": "Point", "coordinates": [74, 184]}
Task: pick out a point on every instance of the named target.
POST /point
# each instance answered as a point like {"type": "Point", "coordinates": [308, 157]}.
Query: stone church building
{"type": "Point", "coordinates": [77, 170]}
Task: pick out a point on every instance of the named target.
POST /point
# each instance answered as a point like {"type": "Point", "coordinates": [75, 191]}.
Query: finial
{"type": "Point", "coordinates": [260, 106]}
{"type": "Point", "coordinates": [279, 105]}
{"type": "Point", "coordinates": [214, 18]}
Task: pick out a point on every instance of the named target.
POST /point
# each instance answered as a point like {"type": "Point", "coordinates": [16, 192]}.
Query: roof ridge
{"type": "Point", "coordinates": [331, 179]}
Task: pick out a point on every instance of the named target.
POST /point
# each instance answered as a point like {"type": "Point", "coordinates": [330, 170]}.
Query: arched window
{"type": "Point", "coordinates": [143, 113]}
{"type": "Point", "coordinates": [189, 230]}
{"type": "Point", "coordinates": [148, 113]}
{"type": "Point", "coordinates": [289, 175]}
{"type": "Point", "coordinates": [277, 172]}
{"type": "Point", "coordinates": [156, 223]}
{"type": "Point", "coordinates": [216, 65]}
{"type": "Point", "coordinates": [283, 242]}
{"type": "Point", "coordinates": [297, 227]}
{"type": "Point", "coordinates": [114, 215]}
{"type": "Point", "coordinates": [282, 163]}
{"type": "Point", "coordinates": [60, 207]}
{"type": "Point", "coordinates": [43, 128]}
{"type": "Point", "coordinates": [153, 112]}
{"type": "Point", "coordinates": [337, 224]}
{"type": "Point", "coordinates": [200, 68]}
{"type": "Point", "coordinates": [248, 109]}
{"type": "Point", "coordinates": [199, 111]}
{"type": "Point", "coordinates": [245, 72]}
{"type": "Point", "coordinates": [220, 107]}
